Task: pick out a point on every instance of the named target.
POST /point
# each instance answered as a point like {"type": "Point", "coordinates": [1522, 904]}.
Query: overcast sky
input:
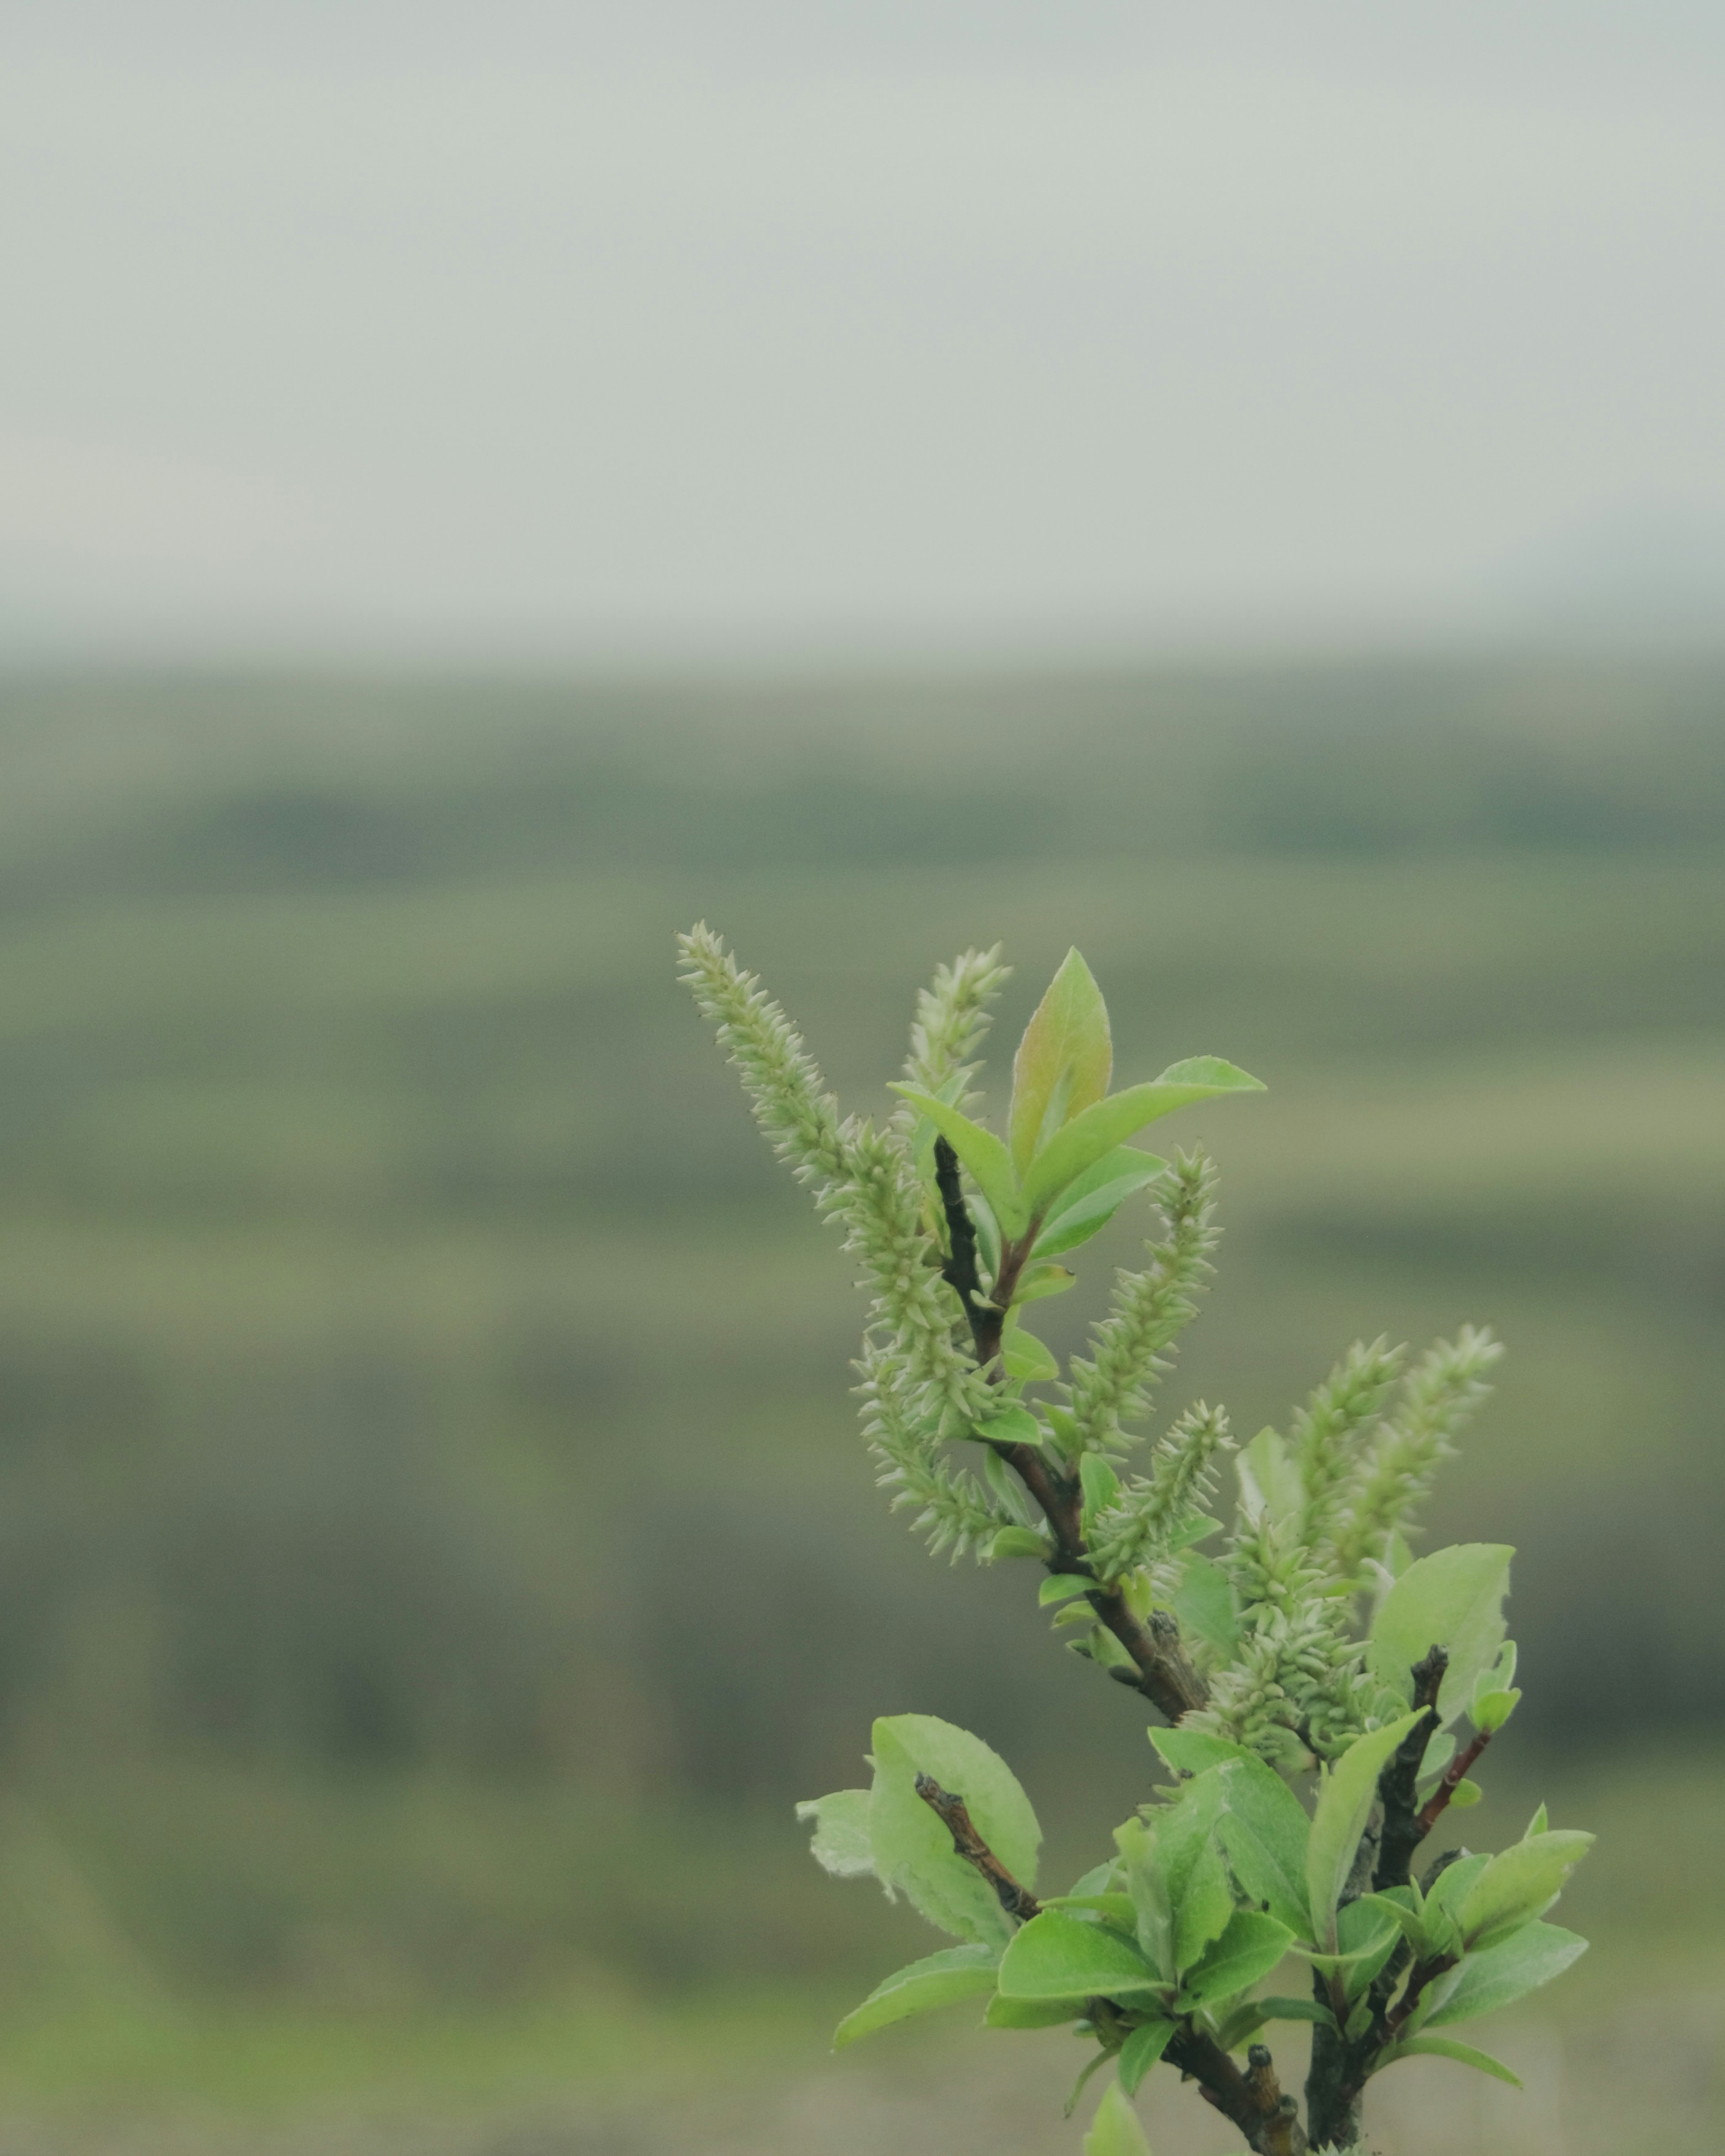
{"type": "Point", "coordinates": [660, 327]}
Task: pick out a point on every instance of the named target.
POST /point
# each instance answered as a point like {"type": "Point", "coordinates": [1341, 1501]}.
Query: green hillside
{"type": "Point", "coordinates": [421, 1401]}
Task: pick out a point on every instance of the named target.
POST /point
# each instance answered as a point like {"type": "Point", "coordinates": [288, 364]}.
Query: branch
{"type": "Point", "coordinates": [1164, 1675]}
{"type": "Point", "coordinates": [1454, 1774]}
{"type": "Point", "coordinates": [1018, 1901]}
{"type": "Point", "coordinates": [1269, 2120]}
{"type": "Point", "coordinates": [1424, 1973]}
{"type": "Point", "coordinates": [1405, 1826]}
{"type": "Point", "coordinates": [959, 1268]}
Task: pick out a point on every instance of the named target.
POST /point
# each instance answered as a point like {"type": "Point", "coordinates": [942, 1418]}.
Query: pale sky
{"type": "Point", "coordinates": [672, 328]}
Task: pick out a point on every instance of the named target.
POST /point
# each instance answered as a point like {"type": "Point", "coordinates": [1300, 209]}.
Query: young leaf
{"type": "Point", "coordinates": [1498, 1976]}
{"type": "Point", "coordinates": [1453, 1598]}
{"type": "Point", "coordinates": [1519, 1882]}
{"type": "Point", "coordinates": [1295, 2009]}
{"type": "Point", "coordinates": [1038, 1281]}
{"type": "Point", "coordinates": [1367, 1935]}
{"type": "Point", "coordinates": [1409, 1920]}
{"type": "Point", "coordinates": [1012, 1425]}
{"type": "Point", "coordinates": [1115, 2130]}
{"type": "Point", "coordinates": [1062, 1586]}
{"type": "Point", "coordinates": [1452, 1887]}
{"type": "Point", "coordinates": [1117, 1909]}
{"type": "Point", "coordinates": [1343, 1803]}
{"type": "Point", "coordinates": [1205, 1907]}
{"type": "Point", "coordinates": [1027, 1359]}
{"type": "Point", "coordinates": [840, 1843]}
{"type": "Point", "coordinates": [1194, 1751]}
{"type": "Point", "coordinates": [1490, 1710]}
{"type": "Point", "coordinates": [1082, 1143]}
{"type": "Point", "coordinates": [1264, 1831]}
{"type": "Point", "coordinates": [1148, 1883]}
{"type": "Point", "coordinates": [959, 1973]}
{"type": "Point", "coordinates": [1064, 1061]}
{"type": "Point", "coordinates": [913, 1849]}
{"type": "Point", "coordinates": [1140, 2051]}
{"type": "Point", "coordinates": [1090, 1201]}
{"type": "Point", "coordinates": [1030, 2013]}
{"type": "Point", "coordinates": [1100, 1483]}
{"type": "Point", "coordinates": [1056, 1956]}
{"type": "Point", "coordinates": [1445, 2047]}
{"type": "Point", "coordinates": [1270, 1480]}
{"type": "Point", "coordinates": [1243, 1955]}
{"type": "Point", "coordinates": [981, 1151]}
{"type": "Point", "coordinates": [1019, 1542]}
{"type": "Point", "coordinates": [1206, 1604]}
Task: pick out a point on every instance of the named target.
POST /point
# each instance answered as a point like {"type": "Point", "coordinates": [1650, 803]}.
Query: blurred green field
{"type": "Point", "coordinates": [394, 1297]}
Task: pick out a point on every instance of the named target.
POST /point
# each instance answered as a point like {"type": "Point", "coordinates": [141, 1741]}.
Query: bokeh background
{"type": "Point", "coordinates": [1239, 490]}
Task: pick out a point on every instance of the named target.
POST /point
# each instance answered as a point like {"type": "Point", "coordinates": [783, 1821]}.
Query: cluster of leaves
{"type": "Point", "coordinates": [1315, 1671]}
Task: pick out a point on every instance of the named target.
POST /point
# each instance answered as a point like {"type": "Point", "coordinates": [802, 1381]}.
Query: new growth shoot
{"type": "Point", "coordinates": [1323, 1695]}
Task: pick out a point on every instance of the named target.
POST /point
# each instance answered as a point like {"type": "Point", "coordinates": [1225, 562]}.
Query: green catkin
{"type": "Point", "coordinates": [1149, 1311]}
{"type": "Point", "coordinates": [953, 1015]}
{"type": "Point", "coordinates": [954, 1512]}
{"type": "Point", "coordinates": [1138, 1529]}
{"type": "Point", "coordinates": [1329, 1430]}
{"type": "Point", "coordinates": [1439, 1396]}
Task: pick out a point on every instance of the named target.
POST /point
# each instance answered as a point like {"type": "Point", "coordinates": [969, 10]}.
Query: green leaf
{"type": "Point", "coordinates": [1453, 1598]}
{"type": "Point", "coordinates": [1194, 1751]}
{"type": "Point", "coordinates": [1295, 2009]}
{"type": "Point", "coordinates": [1013, 1425]}
{"type": "Point", "coordinates": [1445, 2047]}
{"type": "Point", "coordinates": [1270, 1479]}
{"type": "Point", "coordinates": [1140, 2051]}
{"type": "Point", "coordinates": [1148, 1883]}
{"type": "Point", "coordinates": [1019, 1542]}
{"type": "Point", "coordinates": [1205, 1605]}
{"type": "Point", "coordinates": [1056, 1956]}
{"type": "Point", "coordinates": [1117, 1909]}
{"type": "Point", "coordinates": [981, 1151]}
{"type": "Point", "coordinates": [1036, 1282]}
{"type": "Point", "coordinates": [1095, 2066]}
{"type": "Point", "coordinates": [1368, 1935]}
{"type": "Point", "coordinates": [1465, 1795]}
{"type": "Point", "coordinates": [1204, 1905]}
{"type": "Point", "coordinates": [1100, 1485]}
{"type": "Point", "coordinates": [1101, 1879]}
{"type": "Point", "coordinates": [1498, 1976]}
{"type": "Point", "coordinates": [1246, 1951]}
{"type": "Point", "coordinates": [1027, 1359]}
{"type": "Point", "coordinates": [1520, 1882]}
{"type": "Point", "coordinates": [913, 1849]}
{"type": "Point", "coordinates": [1083, 1142]}
{"type": "Point", "coordinates": [1090, 1201]}
{"type": "Point", "coordinates": [1343, 1803]}
{"type": "Point", "coordinates": [1030, 2013]}
{"type": "Point", "coordinates": [1409, 1920]}
{"type": "Point", "coordinates": [1266, 1831]}
{"type": "Point", "coordinates": [1451, 1889]}
{"type": "Point", "coordinates": [939, 1980]}
{"type": "Point", "coordinates": [1115, 2130]}
{"type": "Point", "coordinates": [1490, 1710]}
{"type": "Point", "coordinates": [841, 1843]}
{"type": "Point", "coordinates": [1062, 1586]}
{"type": "Point", "coordinates": [1064, 1062]}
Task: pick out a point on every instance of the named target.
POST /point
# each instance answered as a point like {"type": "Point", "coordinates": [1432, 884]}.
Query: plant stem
{"type": "Point", "coordinates": [1164, 1675]}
